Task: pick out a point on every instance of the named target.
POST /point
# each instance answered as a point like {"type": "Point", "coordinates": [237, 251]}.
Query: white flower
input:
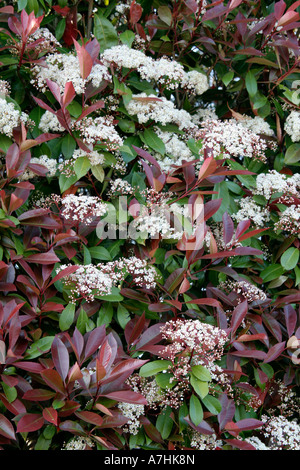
{"type": "Point", "coordinates": [196, 82]}
{"type": "Point", "coordinates": [289, 220]}
{"type": "Point", "coordinates": [250, 210]}
{"type": "Point", "coordinates": [44, 160]}
{"type": "Point", "coordinates": [50, 123]}
{"type": "Point", "coordinates": [159, 110]}
{"type": "Point", "coordinates": [63, 68]}
{"type": "Point", "coordinates": [10, 117]}
{"type": "Point", "coordinates": [257, 125]}
{"type": "Point", "coordinates": [100, 129]}
{"type": "Point", "coordinates": [227, 139]}
{"type": "Point", "coordinates": [292, 126]}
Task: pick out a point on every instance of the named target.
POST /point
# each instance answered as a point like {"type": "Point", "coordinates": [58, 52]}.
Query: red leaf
{"type": "Point", "coordinates": [60, 357]}
{"type": "Point", "coordinates": [208, 167]}
{"type": "Point", "coordinates": [95, 339]}
{"type": "Point", "coordinates": [274, 352]}
{"type": "Point", "coordinates": [126, 396]}
{"type": "Point", "coordinates": [53, 379]}
{"type": "Point", "coordinates": [90, 417]}
{"type": "Point", "coordinates": [238, 315]}
{"type": "Point", "coordinates": [30, 422]}
{"type": "Point", "coordinates": [85, 60]}
{"type": "Point", "coordinates": [252, 353]}
{"type": "Point", "coordinates": [68, 95]}
{"type": "Point", "coordinates": [43, 258]}
{"type": "Point", "coordinates": [135, 12]}
{"type": "Point", "coordinates": [6, 428]}
{"type": "Point", "coordinates": [228, 228]}
{"type": "Point", "coordinates": [38, 394]}
{"type": "Point", "coordinates": [71, 31]}
{"type": "Point", "coordinates": [206, 301]}
{"type": "Point", "coordinates": [240, 444]}
{"type": "Point", "coordinates": [51, 415]}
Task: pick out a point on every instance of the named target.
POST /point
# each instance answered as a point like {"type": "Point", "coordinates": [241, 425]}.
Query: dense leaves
{"type": "Point", "coordinates": [149, 225]}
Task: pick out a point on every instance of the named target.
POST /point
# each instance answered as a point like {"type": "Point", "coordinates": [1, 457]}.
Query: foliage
{"type": "Point", "coordinates": [121, 122]}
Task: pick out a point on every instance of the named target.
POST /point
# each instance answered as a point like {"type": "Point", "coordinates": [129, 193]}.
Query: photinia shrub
{"type": "Point", "coordinates": [149, 225]}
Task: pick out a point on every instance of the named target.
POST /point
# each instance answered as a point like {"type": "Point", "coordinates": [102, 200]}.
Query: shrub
{"type": "Point", "coordinates": [149, 225]}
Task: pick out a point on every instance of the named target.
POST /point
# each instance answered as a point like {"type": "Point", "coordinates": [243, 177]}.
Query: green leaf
{"type": "Point", "coordinates": [115, 296]}
{"type": "Point", "coordinates": [165, 14]}
{"type": "Point", "coordinates": [271, 272]}
{"type": "Point", "coordinates": [195, 410]}
{"type": "Point", "coordinates": [212, 404]}
{"type": "Point", "coordinates": [66, 317]}
{"type": "Point", "coordinates": [65, 183]}
{"type": "Point", "coordinates": [81, 166]}
{"type": "Point", "coordinates": [153, 141]}
{"type": "Point", "coordinates": [99, 252]}
{"type": "Point", "coordinates": [201, 373]}
{"type": "Point", "coordinates": [105, 315]}
{"type": "Point", "coordinates": [105, 32]}
{"type": "Point", "coordinates": [123, 315]}
{"type": "Point", "coordinates": [153, 367]}
{"type": "Point", "coordinates": [127, 37]}
{"type": "Point", "coordinates": [200, 387]}
{"type": "Point", "coordinates": [68, 145]}
{"type": "Point", "coordinates": [164, 423]}
{"type": "Point", "coordinates": [60, 29]}
{"type": "Point", "coordinates": [290, 258]}
{"type": "Point", "coordinates": [39, 347]}
{"type": "Point", "coordinates": [163, 380]}
{"type": "Point", "coordinates": [98, 172]}
{"type": "Point", "coordinates": [10, 392]}
{"type": "Point", "coordinates": [126, 126]}
{"type": "Point", "coordinates": [292, 155]}
{"type": "Point", "coordinates": [251, 83]}
{"type": "Point", "coordinates": [297, 274]}
{"type": "Point", "coordinates": [226, 79]}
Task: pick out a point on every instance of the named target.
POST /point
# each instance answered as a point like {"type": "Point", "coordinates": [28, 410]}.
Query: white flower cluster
{"type": "Point", "coordinates": [163, 71]}
{"type": "Point", "coordinates": [159, 110]}
{"type": "Point", "coordinates": [292, 125]}
{"type": "Point", "coordinates": [205, 442]}
{"type": "Point", "coordinates": [82, 209]}
{"type": "Point", "coordinates": [44, 41]}
{"type": "Point", "coordinates": [227, 139]}
{"type": "Point", "coordinates": [273, 182]}
{"type": "Point", "coordinates": [257, 443]}
{"type": "Point", "coordinates": [4, 87]}
{"type": "Point", "coordinates": [100, 129]}
{"type": "Point", "coordinates": [196, 82]}
{"type": "Point", "coordinates": [202, 344]}
{"type": "Point", "coordinates": [289, 220]}
{"type": "Point", "coordinates": [245, 289]}
{"type": "Point", "coordinates": [176, 150]}
{"type": "Point", "coordinates": [50, 123]}
{"type": "Point", "coordinates": [120, 187]}
{"type": "Point", "coordinates": [63, 68]}
{"type": "Point", "coordinates": [204, 114]}
{"type": "Point", "coordinates": [158, 218]}
{"type": "Point", "coordinates": [143, 275]}
{"type": "Point", "coordinates": [87, 282]}
{"type": "Point", "coordinates": [78, 443]}
{"type": "Point", "coordinates": [10, 117]}
{"type": "Point", "coordinates": [250, 210]}
{"type": "Point", "coordinates": [257, 125]}
{"type": "Point", "coordinates": [281, 433]}
{"type": "Point", "coordinates": [43, 160]}
{"type": "Point", "coordinates": [133, 413]}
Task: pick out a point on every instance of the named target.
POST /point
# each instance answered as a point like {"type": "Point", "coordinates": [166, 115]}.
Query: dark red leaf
{"type": "Point", "coordinates": [30, 422]}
